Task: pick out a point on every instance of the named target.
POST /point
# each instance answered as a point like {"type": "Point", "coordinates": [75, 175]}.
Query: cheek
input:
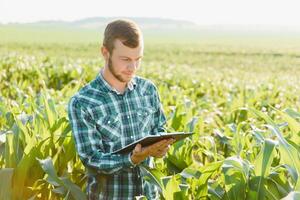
{"type": "Point", "coordinates": [119, 65]}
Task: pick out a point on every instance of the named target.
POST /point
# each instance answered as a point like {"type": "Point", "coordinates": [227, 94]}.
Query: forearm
{"type": "Point", "coordinates": [106, 163]}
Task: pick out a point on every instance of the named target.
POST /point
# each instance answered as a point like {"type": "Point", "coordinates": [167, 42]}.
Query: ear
{"type": "Point", "coordinates": [105, 53]}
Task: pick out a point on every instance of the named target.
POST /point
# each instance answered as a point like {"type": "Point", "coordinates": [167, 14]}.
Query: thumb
{"type": "Point", "coordinates": [138, 148]}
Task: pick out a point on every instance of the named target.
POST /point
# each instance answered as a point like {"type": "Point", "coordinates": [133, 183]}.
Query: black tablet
{"type": "Point", "coordinates": [151, 139]}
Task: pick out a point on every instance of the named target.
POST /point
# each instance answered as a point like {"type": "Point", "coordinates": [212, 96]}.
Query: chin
{"type": "Point", "coordinates": [125, 79]}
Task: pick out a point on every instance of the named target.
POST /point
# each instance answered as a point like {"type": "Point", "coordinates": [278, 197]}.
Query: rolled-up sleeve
{"type": "Point", "coordinates": [89, 144]}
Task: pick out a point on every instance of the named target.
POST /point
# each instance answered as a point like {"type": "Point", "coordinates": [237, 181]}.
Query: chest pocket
{"type": "Point", "coordinates": [145, 116]}
{"type": "Point", "coordinates": [109, 127]}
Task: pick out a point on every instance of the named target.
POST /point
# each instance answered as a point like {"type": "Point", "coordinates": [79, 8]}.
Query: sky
{"type": "Point", "coordinates": [209, 12]}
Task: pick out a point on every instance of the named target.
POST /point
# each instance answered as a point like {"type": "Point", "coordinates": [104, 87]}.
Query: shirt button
{"type": "Point", "coordinates": [108, 122]}
{"type": "Point", "coordinates": [128, 117]}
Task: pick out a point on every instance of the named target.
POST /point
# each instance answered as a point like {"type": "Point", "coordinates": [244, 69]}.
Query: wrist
{"type": "Point", "coordinates": [133, 159]}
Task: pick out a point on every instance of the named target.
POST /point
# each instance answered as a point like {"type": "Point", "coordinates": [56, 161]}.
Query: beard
{"type": "Point", "coordinates": [114, 73]}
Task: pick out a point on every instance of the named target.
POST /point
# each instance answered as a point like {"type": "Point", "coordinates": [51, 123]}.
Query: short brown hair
{"type": "Point", "coordinates": [123, 29]}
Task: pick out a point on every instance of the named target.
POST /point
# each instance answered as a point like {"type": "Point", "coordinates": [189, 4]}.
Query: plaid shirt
{"type": "Point", "coordinates": [102, 121]}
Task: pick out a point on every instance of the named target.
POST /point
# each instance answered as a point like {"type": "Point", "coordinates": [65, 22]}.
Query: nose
{"type": "Point", "coordinates": [132, 65]}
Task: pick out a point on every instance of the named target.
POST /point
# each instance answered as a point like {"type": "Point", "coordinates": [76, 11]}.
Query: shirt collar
{"type": "Point", "coordinates": [105, 85]}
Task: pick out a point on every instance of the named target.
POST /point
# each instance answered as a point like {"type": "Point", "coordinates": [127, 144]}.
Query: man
{"type": "Point", "coordinates": [114, 110]}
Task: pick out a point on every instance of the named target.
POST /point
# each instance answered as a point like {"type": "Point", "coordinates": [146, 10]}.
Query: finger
{"type": "Point", "coordinates": [164, 149]}
{"type": "Point", "coordinates": [161, 142]}
{"type": "Point", "coordinates": [154, 151]}
{"type": "Point", "coordinates": [171, 141]}
{"type": "Point", "coordinates": [158, 146]}
{"type": "Point", "coordinates": [166, 144]}
{"type": "Point", "coordinates": [162, 154]}
{"type": "Point", "coordinates": [147, 150]}
{"type": "Point", "coordinates": [155, 145]}
{"type": "Point", "coordinates": [161, 149]}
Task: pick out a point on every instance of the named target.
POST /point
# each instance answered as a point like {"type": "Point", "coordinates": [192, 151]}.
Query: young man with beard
{"type": "Point", "coordinates": [114, 110]}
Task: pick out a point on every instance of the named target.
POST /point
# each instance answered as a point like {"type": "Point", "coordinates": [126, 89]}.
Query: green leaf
{"type": "Point", "coordinates": [191, 125]}
{"type": "Point", "coordinates": [216, 192]}
{"type": "Point", "coordinates": [236, 172]}
{"type": "Point", "coordinates": [10, 151]}
{"type": "Point", "coordinates": [75, 191]}
{"type": "Point", "coordinates": [292, 196]}
{"type": "Point", "coordinates": [191, 173]}
{"type": "Point", "coordinates": [289, 154]}
{"type": "Point", "coordinates": [21, 172]}
{"type": "Point", "coordinates": [153, 176]}
{"type": "Point", "coordinates": [293, 124]}
{"type": "Point", "coordinates": [50, 111]}
{"type": "Point", "coordinates": [292, 113]}
{"type": "Point", "coordinates": [262, 165]}
{"type": "Point", "coordinates": [200, 177]}
{"type": "Point", "coordinates": [171, 189]}
{"type": "Point", "coordinates": [6, 183]}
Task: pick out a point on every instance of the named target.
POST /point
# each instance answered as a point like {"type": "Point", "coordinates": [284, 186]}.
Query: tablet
{"type": "Point", "coordinates": [151, 139]}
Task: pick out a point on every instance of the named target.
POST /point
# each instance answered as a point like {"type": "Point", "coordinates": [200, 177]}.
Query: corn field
{"type": "Point", "coordinates": [242, 102]}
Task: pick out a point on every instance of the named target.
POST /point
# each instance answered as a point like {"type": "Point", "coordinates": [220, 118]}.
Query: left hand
{"type": "Point", "coordinates": [161, 152]}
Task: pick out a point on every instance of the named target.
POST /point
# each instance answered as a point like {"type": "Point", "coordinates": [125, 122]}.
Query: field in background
{"type": "Point", "coordinates": [239, 92]}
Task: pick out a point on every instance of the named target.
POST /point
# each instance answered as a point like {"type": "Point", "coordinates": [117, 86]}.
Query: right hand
{"type": "Point", "coordinates": [140, 153]}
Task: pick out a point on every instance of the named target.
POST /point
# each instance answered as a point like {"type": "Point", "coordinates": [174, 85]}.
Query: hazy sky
{"type": "Point", "coordinates": [261, 12]}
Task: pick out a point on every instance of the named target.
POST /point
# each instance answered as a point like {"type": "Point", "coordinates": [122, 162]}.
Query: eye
{"type": "Point", "coordinates": [125, 59]}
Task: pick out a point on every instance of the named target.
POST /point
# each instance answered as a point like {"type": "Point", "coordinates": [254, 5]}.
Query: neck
{"type": "Point", "coordinates": [113, 81]}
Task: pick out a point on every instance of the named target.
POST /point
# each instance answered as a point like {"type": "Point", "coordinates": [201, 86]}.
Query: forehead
{"type": "Point", "coordinates": [121, 50]}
